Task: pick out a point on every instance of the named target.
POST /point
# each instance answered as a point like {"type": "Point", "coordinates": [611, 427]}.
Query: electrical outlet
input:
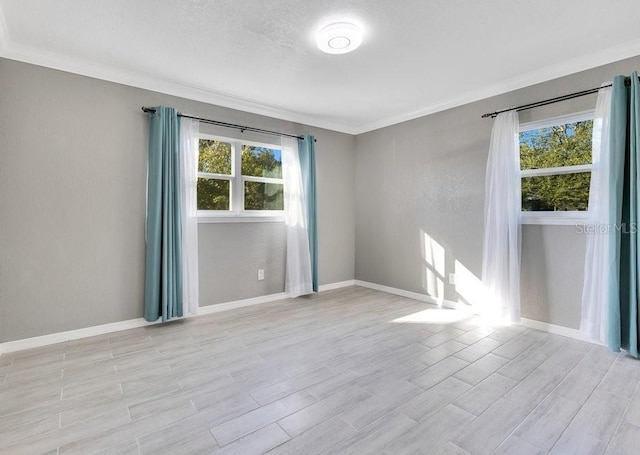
{"type": "Point", "coordinates": [452, 278]}
{"type": "Point", "coordinates": [260, 274]}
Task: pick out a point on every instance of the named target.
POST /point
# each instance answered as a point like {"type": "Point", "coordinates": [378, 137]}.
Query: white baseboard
{"type": "Point", "coordinates": [557, 330]}
{"type": "Point", "coordinates": [219, 307]}
{"type": "Point", "coordinates": [337, 285]}
{"type": "Point", "coordinates": [61, 337]}
{"type": "Point", "coordinates": [409, 294]}
{"type": "Point", "coordinates": [530, 323]}
{"type": "Point", "coordinates": [396, 291]}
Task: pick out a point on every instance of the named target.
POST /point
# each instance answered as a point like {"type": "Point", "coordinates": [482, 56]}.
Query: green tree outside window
{"type": "Point", "coordinates": [556, 146]}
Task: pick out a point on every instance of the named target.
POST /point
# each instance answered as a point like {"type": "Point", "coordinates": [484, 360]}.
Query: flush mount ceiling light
{"type": "Point", "coordinates": [339, 38]}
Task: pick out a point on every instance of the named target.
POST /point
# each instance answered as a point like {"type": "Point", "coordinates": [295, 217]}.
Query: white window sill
{"type": "Point", "coordinates": [241, 219]}
{"type": "Point", "coordinates": [558, 219]}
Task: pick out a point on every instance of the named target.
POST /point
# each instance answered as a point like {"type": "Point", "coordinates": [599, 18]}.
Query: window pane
{"type": "Point", "coordinates": [263, 196]}
{"type": "Point", "coordinates": [562, 145]}
{"type": "Point", "coordinates": [215, 157]}
{"type": "Point", "coordinates": [213, 194]}
{"type": "Point", "coordinates": [552, 193]}
{"type": "Point", "coordinates": [261, 162]}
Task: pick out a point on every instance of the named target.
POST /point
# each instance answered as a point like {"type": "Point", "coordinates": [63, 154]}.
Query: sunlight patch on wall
{"type": "Point", "coordinates": [433, 255]}
{"type": "Point", "coordinates": [468, 286]}
{"type": "Point", "coordinates": [473, 292]}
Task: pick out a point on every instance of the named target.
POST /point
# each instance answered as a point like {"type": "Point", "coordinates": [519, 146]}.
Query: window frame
{"type": "Point", "coordinates": [549, 217]}
{"type": "Point", "coordinates": [237, 212]}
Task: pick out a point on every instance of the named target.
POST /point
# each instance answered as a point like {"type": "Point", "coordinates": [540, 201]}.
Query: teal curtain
{"type": "Point", "coordinates": [163, 274]}
{"type": "Point", "coordinates": [306, 150]}
{"type": "Point", "coordinates": [625, 137]}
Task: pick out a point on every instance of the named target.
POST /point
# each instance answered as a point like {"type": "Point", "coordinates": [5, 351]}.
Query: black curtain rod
{"type": "Point", "coordinates": [557, 99]}
{"type": "Point", "coordinates": [242, 128]}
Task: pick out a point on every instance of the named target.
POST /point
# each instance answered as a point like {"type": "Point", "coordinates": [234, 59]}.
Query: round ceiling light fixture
{"type": "Point", "coordinates": [339, 38]}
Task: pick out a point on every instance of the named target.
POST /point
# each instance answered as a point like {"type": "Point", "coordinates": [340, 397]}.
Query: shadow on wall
{"type": "Point", "coordinates": [438, 262]}
{"type": "Point", "coordinates": [534, 267]}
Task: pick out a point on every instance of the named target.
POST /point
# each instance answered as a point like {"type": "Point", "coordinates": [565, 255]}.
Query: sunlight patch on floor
{"type": "Point", "coordinates": [434, 316]}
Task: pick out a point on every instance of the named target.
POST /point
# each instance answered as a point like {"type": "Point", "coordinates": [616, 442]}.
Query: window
{"type": "Point", "coordinates": [239, 179]}
{"type": "Point", "coordinates": [555, 163]}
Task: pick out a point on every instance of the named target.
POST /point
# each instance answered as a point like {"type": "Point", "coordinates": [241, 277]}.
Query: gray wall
{"type": "Point", "coordinates": [72, 200]}
{"type": "Point", "coordinates": [553, 255]}
{"type": "Point", "coordinates": [426, 176]}
{"type": "Point", "coordinates": [72, 204]}
{"type": "Point", "coordinates": [244, 248]}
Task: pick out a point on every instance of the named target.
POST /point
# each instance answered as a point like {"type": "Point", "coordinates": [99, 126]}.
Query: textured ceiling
{"type": "Point", "coordinates": [417, 57]}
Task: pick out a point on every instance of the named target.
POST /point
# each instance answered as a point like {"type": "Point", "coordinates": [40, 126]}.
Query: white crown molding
{"type": "Point", "coordinates": [12, 51]}
{"type": "Point", "coordinates": [572, 66]}
{"type": "Point", "coordinates": [5, 40]}
{"type": "Point", "coordinates": [73, 65]}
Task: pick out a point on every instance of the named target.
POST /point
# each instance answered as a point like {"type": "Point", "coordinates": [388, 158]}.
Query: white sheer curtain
{"type": "Point", "coordinates": [298, 269]}
{"type": "Point", "coordinates": [600, 228]}
{"type": "Point", "coordinates": [501, 253]}
{"type": "Point", "coordinates": [189, 141]}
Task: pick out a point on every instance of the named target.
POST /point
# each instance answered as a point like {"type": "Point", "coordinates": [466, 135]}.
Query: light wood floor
{"type": "Point", "coordinates": [330, 374]}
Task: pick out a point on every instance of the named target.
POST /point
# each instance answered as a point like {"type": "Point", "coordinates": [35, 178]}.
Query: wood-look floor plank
{"type": "Point", "coordinates": [632, 414]}
{"type": "Point", "coordinates": [478, 349]}
{"type": "Point", "coordinates": [481, 369]}
{"type": "Point", "coordinates": [331, 406]}
{"type": "Point", "coordinates": [284, 388]}
{"type": "Point", "coordinates": [600, 415]}
{"type": "Point", "coordinates": [373, 438]}
{"type": "Point", "coordinates": [578, 385]}
{"type": "Point", "coordinates": [259, 418]}
{"type": "Point", "coordinates": [439, 372]}
{"type": "Point", "coordinates": [450, 449]}
{"type": "Point", "coordinates": [625, 441]}
{"type": "Point", "coordinates": [622, 378]}
{"type": "Point", "coordinates": [377, 406]}
{"type": "Point", "coordinates": [194, 443]}
{"type": "Point", "coordinates": [317, 439]}
{"type": "Point", "coordinates": [484, 395]}
{"type": "Point", "coordinates": [332, 373]}
{"type": "Point", "coordinates": [574, 442]}
{"type": "Point", "coordinates": [514, 445]}
{"type": "Point", "coordinates": [256, 443]}
{"type": "Point", "coordinates": [431, 401]}
{"type": "Point", "coordinates": [491, 428]}
{"type": "Point", "coordinates": [544, 426]}
{"type": "Point", "coordinates": [433, 433]}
